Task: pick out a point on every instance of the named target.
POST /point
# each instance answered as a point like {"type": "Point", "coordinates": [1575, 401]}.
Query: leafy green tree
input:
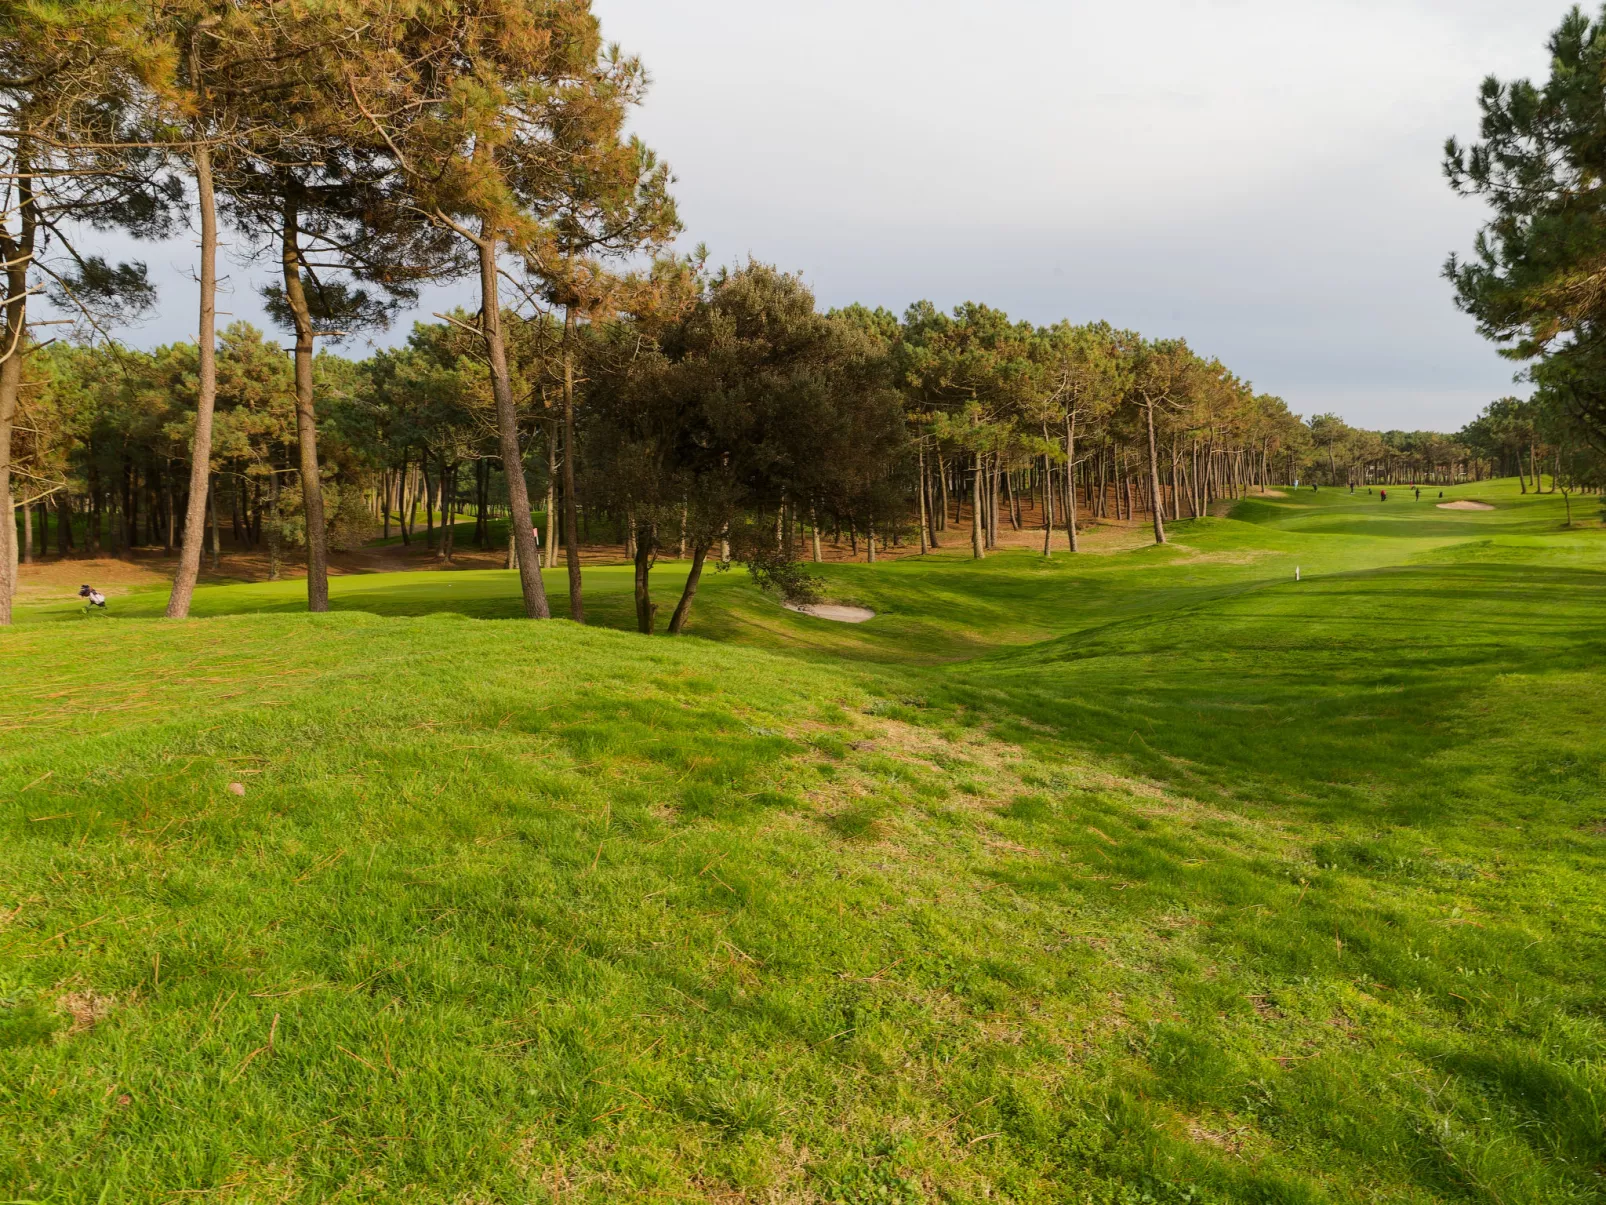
{"type": "Point", "coordinates": [1082, 379]}
{"type": "Point", "coordinates": [68, 74]}
{"type": "Point", "coordinates": [1535, 281]}
{"type": "Point", "coordinates": [1162, 375]}
{"type": "Point", "coordinates": [1328, 431]}
{"type": "Point", "coordinates": [314, 181]}
{"type": "Point", "coordinates": [493, 111]}
{"type": "Point", "coordinates": [727, 420]}
{"type": "Point", "coordinates": [972, 372]}
{"type": "Point", "coordinates": [609, 199]}
{"type": "Point", "coordinates": [205, 106]}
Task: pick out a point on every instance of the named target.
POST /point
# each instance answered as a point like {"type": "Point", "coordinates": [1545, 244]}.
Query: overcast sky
{"type": "Point", "coordinates": [1259, 176]}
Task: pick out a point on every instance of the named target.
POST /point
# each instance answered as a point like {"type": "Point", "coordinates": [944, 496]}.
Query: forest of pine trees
{"type": "Point", "coordinates": [360, 151]}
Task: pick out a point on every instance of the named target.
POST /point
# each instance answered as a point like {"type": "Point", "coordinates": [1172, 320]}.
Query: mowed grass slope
{"type": "Point", "coordinates": [1150, 876]}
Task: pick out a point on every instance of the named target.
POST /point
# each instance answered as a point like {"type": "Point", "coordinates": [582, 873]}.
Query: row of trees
{"type": "Point", "coordinates": [1512, 437]}
{"type": "Point", "coordinates": [730, 414]}
{"type": "Point", "coordinates": [364, 149]}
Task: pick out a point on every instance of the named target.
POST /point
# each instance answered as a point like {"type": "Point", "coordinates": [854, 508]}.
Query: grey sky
{"type": "Point", "coordinates": [1259, 176]}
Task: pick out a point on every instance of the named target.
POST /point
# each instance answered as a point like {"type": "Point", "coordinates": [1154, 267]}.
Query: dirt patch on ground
{"type": "Point", "coordinates": [1465, 504]}
{"type": "Point", "coordinates": [832, 611]}
{"type": "Point", "coordinates": [1232, 556]}
{"type": "Point", "coordinates": [1227, 1140]}
{"type": "Point", "coordinates": [85, 1008]}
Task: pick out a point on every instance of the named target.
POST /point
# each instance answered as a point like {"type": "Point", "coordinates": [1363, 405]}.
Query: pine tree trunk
{"type": "Point", "coordinates": [531, 587]}
{"type": "Point", "coordinates": [407, 505]}
{"type": "Point", "coordinates": [1154, 477]}
{"type": "Point", "coordinates": [189, 561]}
{"type": "Point", "coordinates": [551, 494]}
{"type": "Point", "coordinates": [92, 518]}
{"type": "Point", "coordinates": [18, 254]}
{"type": "Point", "coordinates": [646, 610]}
{"type": "Point", "coordinates": [448, 509]}
{"type": "Point", "coordinates": [677, 621]}
{"type": "Point", "coordinates": [930, 500]}
{"type": "Point", "coordinates": [168, 518]}
{"type": "Point", "coordinates": [571, 530]}
{"type": "Point", "coordinates": [1071, 535]}
{"type": "Point", "coordinates": [1176, 481]}
{"type": "Point", "coordinates": [274, 533]}
{"type": "Point", "coordinates": [977, 542]}
{"type": "Point", "coordinates": [217, 537]}
{"type": "Point", "coordinates": [482, 499]}
{"type": "Point", "coordinates": [1048, 502]}
{"type": "Point", "coordinates": [920, 491]}
{"type": "Point", "coordinates": [429, 501]}
{"type": "Point", "coordinates": [130, 507]}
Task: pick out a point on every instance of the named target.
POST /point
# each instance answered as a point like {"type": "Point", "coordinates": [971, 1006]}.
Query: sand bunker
{"type": "Point", "coordinates": [1465, 504]}
{"type": "Point", "coordinates": [832, 611]}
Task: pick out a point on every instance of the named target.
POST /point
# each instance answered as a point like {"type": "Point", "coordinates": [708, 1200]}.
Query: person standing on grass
{"type": "Point", "coordinates": [1384, 497]}
{"type": "Point", "coordinates": [1419, 493]}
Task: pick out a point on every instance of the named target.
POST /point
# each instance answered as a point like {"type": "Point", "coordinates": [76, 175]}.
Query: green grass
{"type": "Point", "coordinates": [1150, 876]}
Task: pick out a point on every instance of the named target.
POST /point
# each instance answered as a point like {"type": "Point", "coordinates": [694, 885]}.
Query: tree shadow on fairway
{"type": "Point", "coordinates": [473, 593]}
{"type": "Point", "coordinates": [1427, 527]}
{"type": "Point", "coordinates": [1359, 692]}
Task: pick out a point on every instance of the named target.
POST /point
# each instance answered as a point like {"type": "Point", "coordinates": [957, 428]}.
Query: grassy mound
{"type": "Point", "coordinates": [1152, 876]}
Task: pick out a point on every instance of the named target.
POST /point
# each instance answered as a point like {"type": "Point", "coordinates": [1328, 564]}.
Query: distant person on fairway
{"type": "Point", "coordinates": [1419, 493]}
{"type": "Point", "coordinates": [95, 597]}
{"type": "Point", "coordinates": [1383, 495]}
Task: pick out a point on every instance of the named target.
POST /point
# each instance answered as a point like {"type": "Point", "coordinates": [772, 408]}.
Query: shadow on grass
{"type": "Point", "coordinates": [1360, 692]}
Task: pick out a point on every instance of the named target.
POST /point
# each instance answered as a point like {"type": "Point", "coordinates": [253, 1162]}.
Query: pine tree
{"type": "Point", "coordinates": [70, 76]}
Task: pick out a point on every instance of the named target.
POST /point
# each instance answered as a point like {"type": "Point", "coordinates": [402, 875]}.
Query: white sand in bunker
{"type": "Point", "coordinates": [832, 611]}
{"type": "Point", "coordinates": [1465, 504]}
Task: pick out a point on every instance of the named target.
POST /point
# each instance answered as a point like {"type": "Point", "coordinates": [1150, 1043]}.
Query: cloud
{"type": "Point", "coordinates": [1260, 177]}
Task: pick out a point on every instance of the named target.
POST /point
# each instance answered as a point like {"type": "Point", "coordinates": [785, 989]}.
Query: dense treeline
{"type": "Point", "coordinates": [735, 412]}
{"type": "Point", "coordinates": [637, 398]}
